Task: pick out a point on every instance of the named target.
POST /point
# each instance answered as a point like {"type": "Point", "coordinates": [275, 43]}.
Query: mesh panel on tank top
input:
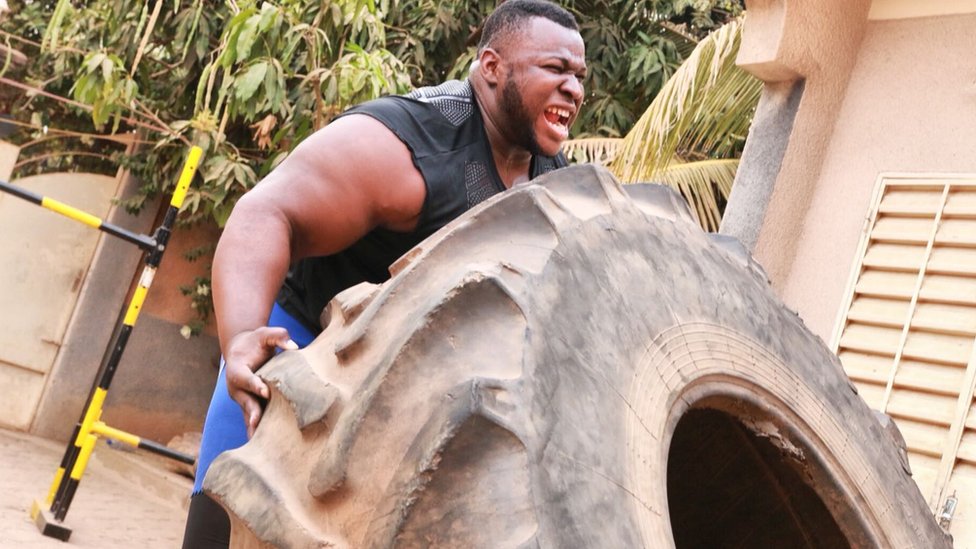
{"type": "Point", "coordinates": [545, 164]}
{"type": "Point", "coordinates": [478, 183]}
{"type": "Point", "coordinates": [480, 186]}
{"type": "Point", "coordinates": [453, 100]}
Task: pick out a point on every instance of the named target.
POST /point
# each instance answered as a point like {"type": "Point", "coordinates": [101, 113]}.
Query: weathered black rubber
{"type": "Point", "coordinates": [568, 366]}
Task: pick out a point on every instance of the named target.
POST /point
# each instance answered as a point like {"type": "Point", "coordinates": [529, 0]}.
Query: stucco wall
{"type": "Point", "coordinates": [8, 157]}
{"type": "Point", "coordinates": [43, 261]}
{"type": "Point", "coordinates": [902, 9]}
{"type": "Point", "coordinates": [792, 41]}
{"type": "Point", "coordinates": [910, 106]}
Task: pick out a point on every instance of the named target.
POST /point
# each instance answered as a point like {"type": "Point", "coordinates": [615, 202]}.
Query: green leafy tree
{"type": "Point", "coordinates": [244, 80]}
{"type": "Point", "coordinates": [633, 47]}
{"type": "Point", "coordinates": [248, 80]}
{"type": "Point", "coordinates": [692, 133]}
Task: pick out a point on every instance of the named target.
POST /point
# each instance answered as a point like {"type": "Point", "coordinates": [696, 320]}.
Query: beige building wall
{"type": "Point", "coordinates": [910, 106]}
{"type": "Point", "coordinates": [892, 91]}
{"type": "Point", "coordinates": [796, 47]}
{"type": "Point", "coordinates": [904, 9]}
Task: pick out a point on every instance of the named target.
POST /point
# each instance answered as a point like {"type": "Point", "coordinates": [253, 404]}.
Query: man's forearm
{"type": "Point", "coordinates": [250, 263]}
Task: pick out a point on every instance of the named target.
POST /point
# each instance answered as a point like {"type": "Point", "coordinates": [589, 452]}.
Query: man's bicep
{"type": "Point", "coordinates": [342, 182]}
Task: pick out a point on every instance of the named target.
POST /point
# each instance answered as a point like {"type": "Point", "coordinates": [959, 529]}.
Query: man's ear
{"type": "Point", "coordinates": [488, 65]}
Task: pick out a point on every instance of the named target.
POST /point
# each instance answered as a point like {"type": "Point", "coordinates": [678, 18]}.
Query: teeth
{"type": "Point", "coordinates": [561, 112]}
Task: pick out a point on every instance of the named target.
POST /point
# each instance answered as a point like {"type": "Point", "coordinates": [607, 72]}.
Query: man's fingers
{"type": "Point", "coordinates": [248, 351]}
{"type": "Point", "coordinates": [252, 412]}
{"type": "Point", "coordinates": [289, 345]}
{"type": "Point", "coordinates": [243, 380]}
{"type": "Point", "coordinates": [258, 387]}
{"type": "Point", "coordinates": [243, 392]}
{"type": "Point", "coordinates": [277, 337]}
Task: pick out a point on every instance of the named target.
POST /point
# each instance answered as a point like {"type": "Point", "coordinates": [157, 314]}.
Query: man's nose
{"type": "Point", "coordinates": [574, 87]}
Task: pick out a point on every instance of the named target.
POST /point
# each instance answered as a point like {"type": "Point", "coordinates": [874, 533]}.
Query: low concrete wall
{"type": "Point", "coordinates": [164, 382]}
{"type": "Point", "coordinates": [44, 261]}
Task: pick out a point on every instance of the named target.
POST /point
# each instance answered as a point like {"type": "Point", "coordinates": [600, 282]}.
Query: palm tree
{"type": "Point", "coordinates": [693, 131]}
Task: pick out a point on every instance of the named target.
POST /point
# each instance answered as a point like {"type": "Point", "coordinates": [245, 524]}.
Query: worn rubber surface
{"type": "Point", "coordinates": [519, 381]}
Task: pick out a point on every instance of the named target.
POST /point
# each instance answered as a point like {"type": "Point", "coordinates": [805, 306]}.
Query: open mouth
{"type": "Point", "coordinates": [558, 118]}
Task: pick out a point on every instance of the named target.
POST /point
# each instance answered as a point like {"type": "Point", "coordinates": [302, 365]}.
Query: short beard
{"type": "Point", "coordinates": [520, 123]}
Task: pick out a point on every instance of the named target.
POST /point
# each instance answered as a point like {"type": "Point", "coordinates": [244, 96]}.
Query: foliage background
{"type": "Point", "coordinates": [691, 135]}
{"type": "Point", "coordinates": [248, 80]}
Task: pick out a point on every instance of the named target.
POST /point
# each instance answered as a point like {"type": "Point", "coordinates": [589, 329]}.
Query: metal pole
{"type": "Point", "coordinates": [90, 426]}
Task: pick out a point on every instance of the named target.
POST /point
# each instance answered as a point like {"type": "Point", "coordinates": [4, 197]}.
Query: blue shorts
{"type": "Point", "coordinates": [224, 428]}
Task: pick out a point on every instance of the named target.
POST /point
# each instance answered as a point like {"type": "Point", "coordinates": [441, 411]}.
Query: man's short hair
{"type": "Point", "coordinates": [512, 15]}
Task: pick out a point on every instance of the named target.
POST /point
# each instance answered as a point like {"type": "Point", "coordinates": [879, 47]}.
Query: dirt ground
{"type": "Point", "coordinates": [125, 500]}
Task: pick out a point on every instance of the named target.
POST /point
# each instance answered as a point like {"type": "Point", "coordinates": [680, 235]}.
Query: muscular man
{"type": "Point", "coordinates": [362, 191]}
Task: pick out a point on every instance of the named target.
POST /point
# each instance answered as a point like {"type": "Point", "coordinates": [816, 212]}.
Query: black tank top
{"type": "Point", "coordinates": [443, 128]}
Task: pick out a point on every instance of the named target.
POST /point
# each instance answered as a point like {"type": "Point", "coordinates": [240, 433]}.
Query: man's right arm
{"type": "Point", "coordinates": [250, 263]}
{"type": "Point", "coordinates": [339, 184]}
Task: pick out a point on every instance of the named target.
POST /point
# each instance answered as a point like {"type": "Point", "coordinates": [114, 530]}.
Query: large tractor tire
{"type": "Point", "coordinates": [569, 366]}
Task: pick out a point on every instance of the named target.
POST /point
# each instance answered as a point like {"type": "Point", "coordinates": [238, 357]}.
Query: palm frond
{"type": "Point", "coordinates": [703, 111]}
{"type": "Point", "coordinates": [596, 150]}
{"type": "Point", "coordinates": [705, 184]}
{"type": "Point", "coordinates": [683, 40]}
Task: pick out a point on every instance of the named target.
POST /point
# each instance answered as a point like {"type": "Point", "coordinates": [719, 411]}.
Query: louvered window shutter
{"type": "Point", "coordinates": [907, 329]}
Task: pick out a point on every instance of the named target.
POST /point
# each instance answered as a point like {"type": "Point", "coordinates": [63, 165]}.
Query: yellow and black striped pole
{"type": "Point", "coordinates": [49, 514]}
{"type": "Point", "coordinates": [141, 240]}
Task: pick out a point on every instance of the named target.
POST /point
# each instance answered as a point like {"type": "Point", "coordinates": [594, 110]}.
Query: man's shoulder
{"type": "Point", "coordinates": [452, 90]}
{"type": "Point", "coordinates": [452, 101]}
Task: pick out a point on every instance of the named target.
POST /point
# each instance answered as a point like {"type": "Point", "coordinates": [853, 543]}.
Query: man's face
{"type": "Point", "coordinates": [542, 89]}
